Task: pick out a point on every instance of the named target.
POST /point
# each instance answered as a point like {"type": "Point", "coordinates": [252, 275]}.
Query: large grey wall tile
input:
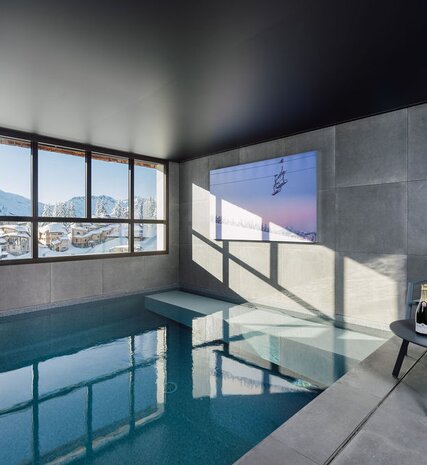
{"type": "Point", "coordinates": [222, 160]}
{"type": "Point", "coordinates": [187, 276]}
{"type": "Point", "coordinates": [173, 184]}
{"type": "Point", "coordinates": [265, 150]}
{"type": "Point", "coordinates": [204, 268]}
{"type": "Point", "coordinates": [124, 274]}
{"type": "Point", "coordinates": [326, 217]}
{"type": "Point", "coordinates": [74, 280]}
{"type": "Point", "coordinates": [185, 225]}
{"type": "Point", "coordinates": [372, 150]}
{"type": "Point", "coordinates": [24, 285]}
{"type": "Point", "coordinates": [250, 269]}
{"type": "Point", "coordinates": [417, 219]}
{"type": "Point", "coordinates": [323, 142]}
{"type": "Point", "coordinates": [174, 204]}
{"type": "Point", "coordinates": [370, 288]}
{"type": "Point", "coordinates": [129, 274]}
{"type": "Point", "coordinates": [199, 218]}
{"type": "Point", "coordinates": [417, 142]}
{"type": "Point", "coordinates": [160, 270]}
{"type": "Point", "coordinates": [417, 267]}
{"type": "Point", "coordinates": [193, 173]}
{"type": "Point", "coordinates": [174, 215]}
{"type": "Point", "coordinates": [372, 218]}
{"type": "Point", "coordinates": [306, 278]}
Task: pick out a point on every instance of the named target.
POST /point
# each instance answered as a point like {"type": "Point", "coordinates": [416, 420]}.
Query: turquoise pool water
{"type": "Point", "coordinates": [112, 383]}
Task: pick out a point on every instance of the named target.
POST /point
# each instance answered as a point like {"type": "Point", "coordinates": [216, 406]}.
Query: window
{"type": "Point", "coordinates": [70, 239]}
{"type": "Point", "coordinates": [58, 202]}
{"type": "Point", "coordinates": [61, 182]}
{"type": "Point", "coordinates": [149, 191]}
{"type": "Point", "coordinates": [110, 191]}
{"type": "Point", "coordinates": [149, 207]}
{"type": "Point", "coordinates": [15, 177]}
{"type": "Point", "coordinates": [149, 237]}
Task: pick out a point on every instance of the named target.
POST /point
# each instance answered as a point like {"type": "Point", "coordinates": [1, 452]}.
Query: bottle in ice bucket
{"type": "Point", "coordinates": [421, 312]}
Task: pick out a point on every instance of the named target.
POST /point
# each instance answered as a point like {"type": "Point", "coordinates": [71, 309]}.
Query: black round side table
{"type": "Point", "coordinates": [405, 329]}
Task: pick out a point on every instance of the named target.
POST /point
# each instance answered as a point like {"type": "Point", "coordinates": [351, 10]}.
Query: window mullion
{"type": "Point", "coordinates": [131, 212]}
{"type": "Point", "coordinates": [35, 194]}
{"type": "Point", "coordinates": [88, 185]}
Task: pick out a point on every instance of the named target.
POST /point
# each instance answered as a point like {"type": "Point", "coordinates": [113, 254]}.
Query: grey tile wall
{"type": "Point", "coordinates": [417, 224]}
{"type": "Point", "coordinates": [323, 141]}
{"type": "Point", "coordinates": [74, 280]}
{"type": "Point", "coordinates": [372, 193]}
{"type": "Point", "coordinates": [417, 267]}
{"type": "Point", "coordinates": [417, 143]}
{"type": "Point", "coordinates": [372, 218]}
{"type": "Point", "coordinates": [372, 150]}
{"type": "Point", "coordinates": [370, 287]}
{"type": "Point", "coordinates": [23, 285]}
{"type": "Point", "coordinates": [263, 151]}
{"type": "Point", "coordinates": [371, 223]}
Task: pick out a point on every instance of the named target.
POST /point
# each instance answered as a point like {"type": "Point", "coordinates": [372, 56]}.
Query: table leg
{"type": "Point", "coordinates": [402, 352]}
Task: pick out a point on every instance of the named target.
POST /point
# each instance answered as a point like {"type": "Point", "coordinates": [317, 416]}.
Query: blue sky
{"type": "Point", "coordinates": [250, 187]}
{"type": "Point", "coordinates": [62, 177]}
{"type": "Point", "coordinates": [15, 168]}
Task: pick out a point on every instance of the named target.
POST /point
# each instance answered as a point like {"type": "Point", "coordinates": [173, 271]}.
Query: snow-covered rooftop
{"type": "Point", "coordinates": [16, 227]}
{"type": "Point", "coordinates": [23, 235]}
{"type": "Point", "coordinates": [54, 228]}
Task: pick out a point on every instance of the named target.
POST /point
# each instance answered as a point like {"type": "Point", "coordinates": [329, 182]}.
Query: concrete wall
{"type": "Point", "coordinates": [373, 224]}
{"type": "Point", "coordinates": [42, 284]}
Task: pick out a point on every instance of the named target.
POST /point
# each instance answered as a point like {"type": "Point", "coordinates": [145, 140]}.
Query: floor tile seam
{"type": "Point", "coordinates": [347, 440]}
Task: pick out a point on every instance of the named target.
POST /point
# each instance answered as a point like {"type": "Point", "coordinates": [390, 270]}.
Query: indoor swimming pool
{"type": "Point", "coordinates": [131, 390]}
{"type": "Point", "coordinates": [110, 382]}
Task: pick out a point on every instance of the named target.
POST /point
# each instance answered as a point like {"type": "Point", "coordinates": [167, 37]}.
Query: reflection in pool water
{"type": "Point", "coordinates": [103, 396]}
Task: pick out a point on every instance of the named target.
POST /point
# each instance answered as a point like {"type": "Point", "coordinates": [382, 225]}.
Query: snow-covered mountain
{"type": "Point", "coordinates": [15, 205]}
{"type": "Point", "coordinates": [80, 204]}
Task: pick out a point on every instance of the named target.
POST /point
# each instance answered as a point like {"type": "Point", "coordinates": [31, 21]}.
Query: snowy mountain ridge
{"type": "Point", "coordinates": [15, 205]}
{"type": "Point", "coordinates": [18, 205]}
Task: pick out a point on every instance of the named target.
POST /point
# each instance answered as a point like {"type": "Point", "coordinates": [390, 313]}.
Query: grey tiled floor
{"type": "Point", "coordinates": [396, 432]}
{"type": "Point", "coordinates": [367, 417]}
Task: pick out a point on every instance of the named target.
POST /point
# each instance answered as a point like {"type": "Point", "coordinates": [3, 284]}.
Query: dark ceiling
{"type": "Point", "coordinates": [183, 79]}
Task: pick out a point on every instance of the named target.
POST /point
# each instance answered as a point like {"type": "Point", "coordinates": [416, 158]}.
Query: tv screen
{"type": "Point", "coordinates": [269, 200]}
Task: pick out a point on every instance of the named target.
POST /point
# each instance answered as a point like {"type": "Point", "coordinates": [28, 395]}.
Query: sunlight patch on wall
{"type": "Point", "coordinates": [202, 205]}
{"type": "Point", "coordinates": [306, 278]}
{"type": "Point", "coordinates": [255, 256]}
{"type": "Point", "coordinates": [207, 257]}
{"type": "Point", "coordinates": [381, 297]}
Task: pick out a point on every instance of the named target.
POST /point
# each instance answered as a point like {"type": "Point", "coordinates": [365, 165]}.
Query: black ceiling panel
{"type": "Point", "coordinates": [178, 80]}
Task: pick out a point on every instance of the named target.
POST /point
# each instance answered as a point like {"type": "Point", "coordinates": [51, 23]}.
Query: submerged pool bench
{"type": "Point", "coordinates": [308, 347]}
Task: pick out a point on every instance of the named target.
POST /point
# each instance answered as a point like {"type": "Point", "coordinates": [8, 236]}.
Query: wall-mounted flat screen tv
{"type": "Point", "coordinates": [269, 200]}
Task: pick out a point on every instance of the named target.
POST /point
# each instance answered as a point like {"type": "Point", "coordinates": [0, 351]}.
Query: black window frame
{"type": "Point", "coordinates": [35, 140]}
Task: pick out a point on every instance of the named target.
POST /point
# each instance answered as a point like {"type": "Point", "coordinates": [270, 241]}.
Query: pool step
{"type": "Point", "coordinates": [313, 349]}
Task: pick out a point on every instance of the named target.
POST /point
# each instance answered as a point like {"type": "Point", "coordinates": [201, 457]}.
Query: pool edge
{"type": "Point", "coordinates": [320, 430]}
